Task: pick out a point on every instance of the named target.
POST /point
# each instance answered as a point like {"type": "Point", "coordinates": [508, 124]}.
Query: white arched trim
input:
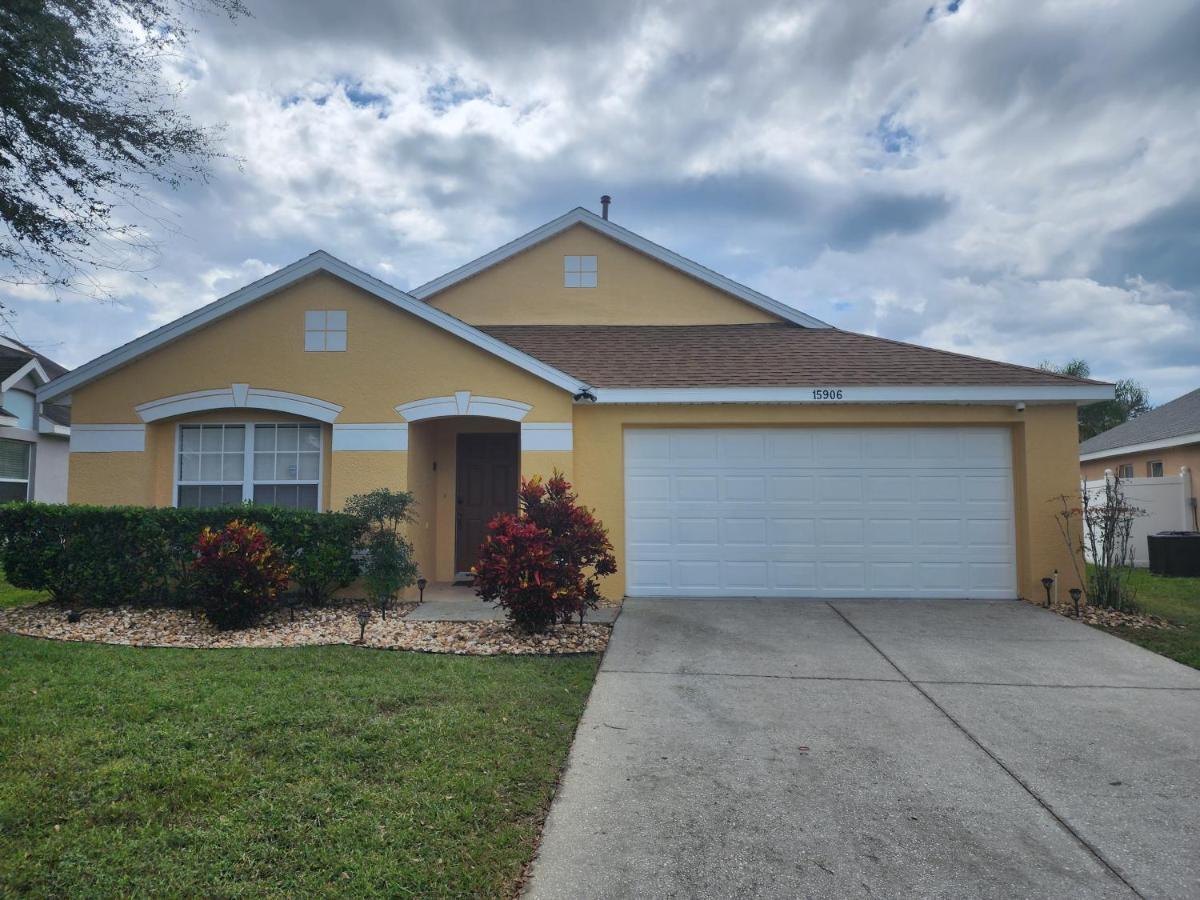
{"type": "Point", "coordinates": [238, 396]}
{"type": "Point", "coordinates": [463, 403]}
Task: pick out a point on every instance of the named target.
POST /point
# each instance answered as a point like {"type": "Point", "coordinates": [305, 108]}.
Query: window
{"type": "Point", "coordinates": [1125, 470]}
{"type": "Point", "coordinates": [14, 470]}
{"type": "Point", "coordinates": [275, 465]}
{"type": "Point", "coordinates": [579, 271]}
{"type": "Point", "coordinates": [1154, 469]}
{"type": "Point", "coordinates": [325, 330]}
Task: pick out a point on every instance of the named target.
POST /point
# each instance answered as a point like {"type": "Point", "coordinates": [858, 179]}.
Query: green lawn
{"type": "Point", "coordinates": [293, 772]}
{"type": "Point", "coordinates": [1175, 599]}
{"type": "Point", "coordinates": [12, 596]}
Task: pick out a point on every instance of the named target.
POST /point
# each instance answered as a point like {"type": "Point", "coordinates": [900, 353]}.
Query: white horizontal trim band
{"type": "Point", "coordinates": [375, 437]}
{"type": "Point", "coordinates": [832, 395]}
{"type": "Point", "coordinates": [553, 436]}
{"type": "Point", "coordinates": [1139, 448]}
{"type": "Point", "coordinates": [108, 438]}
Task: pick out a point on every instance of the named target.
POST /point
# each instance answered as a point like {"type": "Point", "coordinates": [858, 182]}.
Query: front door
{"type": "Point", "coordinates": [487, 485]}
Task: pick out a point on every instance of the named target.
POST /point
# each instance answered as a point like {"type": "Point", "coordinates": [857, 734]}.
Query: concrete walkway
{"type": "Point", "coordinates": [762, 748]}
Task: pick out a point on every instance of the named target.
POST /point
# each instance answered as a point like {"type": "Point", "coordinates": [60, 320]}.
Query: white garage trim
{"type": "Point", "coordinates": [820, 512]}
{"type": "Point", "coordinates": [826, 394]}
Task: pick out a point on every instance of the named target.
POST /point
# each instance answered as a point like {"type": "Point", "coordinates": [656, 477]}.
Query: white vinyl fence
{"type": "Point", "coordinates": [1168, 504]}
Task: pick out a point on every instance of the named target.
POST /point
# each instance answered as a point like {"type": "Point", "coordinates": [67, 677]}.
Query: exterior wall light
{"type": "Point", "coordinates": [585, 395]}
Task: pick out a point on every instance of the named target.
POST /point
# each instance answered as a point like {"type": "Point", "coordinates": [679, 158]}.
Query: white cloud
{"type": "Point", "coordinates": [963, 180]}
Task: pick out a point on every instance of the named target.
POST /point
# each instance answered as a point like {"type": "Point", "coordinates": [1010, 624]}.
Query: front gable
{"type": "Point", "coordinates": [631, 289]}
{"type": "Point", "coordinates": [391, 357]}
{"type": "Point", "coordinates": [626, 280]}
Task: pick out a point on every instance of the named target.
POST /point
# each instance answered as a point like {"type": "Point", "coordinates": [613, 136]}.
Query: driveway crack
{"type": "Point", "coordinates": [1025, 786]}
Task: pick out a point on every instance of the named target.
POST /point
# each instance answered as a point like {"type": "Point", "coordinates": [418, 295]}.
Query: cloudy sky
{"type": "Point", "coordinates": [1014, 180]}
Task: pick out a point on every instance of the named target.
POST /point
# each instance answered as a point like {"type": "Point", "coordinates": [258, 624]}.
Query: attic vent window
{"type": "Point", "coordinates": [579, 271]}
{"type": "Point", "coordinates": [324, 330]}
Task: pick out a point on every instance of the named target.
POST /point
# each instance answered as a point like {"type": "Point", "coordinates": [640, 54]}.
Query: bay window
{"type": "Point", "coordinates": [271, 464]}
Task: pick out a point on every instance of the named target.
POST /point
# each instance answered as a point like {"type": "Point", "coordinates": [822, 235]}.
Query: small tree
{"type": "Point", "coordinates": [543, 565]}
{"type": "Point", "coordinates": [1099, 530]}
{"type": "Point", "coordinates": [239, 574]}
{"type": "Point", "coordinates": [389, 566]}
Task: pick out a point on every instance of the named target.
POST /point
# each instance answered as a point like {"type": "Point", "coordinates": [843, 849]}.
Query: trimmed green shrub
{"type": "Point", "coordinates": [109, 555]}
{"type": "Point", "coordinates": [239, 573]}
{"type": "Point", "coordinates": [389, 566]}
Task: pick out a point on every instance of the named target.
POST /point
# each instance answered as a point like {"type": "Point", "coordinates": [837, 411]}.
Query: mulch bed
{"type": "Point", "coordinates": [142, 627]}
{"type": "Point", "coordinates": [1111, 618]}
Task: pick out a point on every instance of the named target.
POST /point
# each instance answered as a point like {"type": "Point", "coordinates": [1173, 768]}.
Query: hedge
{"type": "Point", "coordinates": [109, 555]}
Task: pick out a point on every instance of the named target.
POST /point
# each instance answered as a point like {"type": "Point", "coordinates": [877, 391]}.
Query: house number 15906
{"type": "Point", "coordinates": [827, 393]}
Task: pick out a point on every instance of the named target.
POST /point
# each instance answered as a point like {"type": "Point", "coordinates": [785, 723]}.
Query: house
{"type": "Point", "coordinates": [1156, 443]}
{"type": "Point", "coordinates": [1157, 455]}
{"type": "Point", "coordinates": [33, 435]}
{"type": "Point", "coordinates": [732, 444]}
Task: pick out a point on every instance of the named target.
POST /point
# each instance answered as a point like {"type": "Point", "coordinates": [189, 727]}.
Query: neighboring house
{"type": "Point", "coordinates": [732, 444]}
{"type": "Point", "coordinates": [1156, 443]}
{"type": "Point", "coordinates": [1163, 443]}
{"type": "Point", "coordinates": [33, 435]}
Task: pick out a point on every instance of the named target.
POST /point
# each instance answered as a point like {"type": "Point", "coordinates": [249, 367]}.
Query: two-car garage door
{"type": "Point", "coordinates": [819, 512]}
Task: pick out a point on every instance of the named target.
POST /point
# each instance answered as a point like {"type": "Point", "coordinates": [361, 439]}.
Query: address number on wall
{"type": "Point", "coordinates": [827, 393]}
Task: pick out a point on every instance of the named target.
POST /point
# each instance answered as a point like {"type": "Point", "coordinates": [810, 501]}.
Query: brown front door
{"type": "Point", "coordinates": [487, 484]}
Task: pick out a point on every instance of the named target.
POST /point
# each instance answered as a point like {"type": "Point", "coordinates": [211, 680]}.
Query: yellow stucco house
{"type": "Point", "coordinates": [733, 445]}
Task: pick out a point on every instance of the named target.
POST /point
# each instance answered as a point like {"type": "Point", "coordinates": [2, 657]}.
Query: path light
{"type": "Point", "coordinates": [292, 599]}
{"type": "Point", "coordinates": [364, 616]}
{"type": "Point", "coordinates": [383, 605]}
{"type": "Point", "coordinates": [74, 616]}
{"type": "Point", "coordinates": [421, 582]}
{"type": "Point", "coordinates": [1047, 583]}
{"type": "Point", "coordinates": [1076, 593]}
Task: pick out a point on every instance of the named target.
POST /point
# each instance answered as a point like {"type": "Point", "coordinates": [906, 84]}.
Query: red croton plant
{"type": "Point", "coordinates": [238, 572]}
{"type": "Point", "coordinates": [543, 564]}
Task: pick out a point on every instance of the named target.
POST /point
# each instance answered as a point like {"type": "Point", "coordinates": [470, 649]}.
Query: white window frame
{"type": "Point", "coordinates": [29, 462]}
{"type": "Point", "coordinates": [320, 332]}
{"type": "Point", "coordinates": [1150, 464]}
{"type": "Point", "coordinates": [579, 271]}
{"type": "Point", "coordinates": [248, 482]}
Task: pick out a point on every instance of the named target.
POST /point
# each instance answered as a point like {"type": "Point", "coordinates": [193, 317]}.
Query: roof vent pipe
{"type": "Point", "coordinates": [604, 201]}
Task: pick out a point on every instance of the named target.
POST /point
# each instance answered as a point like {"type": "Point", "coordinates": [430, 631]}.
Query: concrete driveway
{"type": "Point", "coordinates": [736, 748]}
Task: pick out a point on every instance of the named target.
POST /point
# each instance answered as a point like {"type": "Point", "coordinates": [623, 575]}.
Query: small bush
{"type": "Point", "coordinates": [109, 555]}
{"type": "Point", "coordinates": [543, 565]}
{"type": "Point", "coordinates": [389, 567]}
{"type": "Point", "coordinates": [239, 573]}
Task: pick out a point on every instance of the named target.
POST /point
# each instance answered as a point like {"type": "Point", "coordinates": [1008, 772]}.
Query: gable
{"type": "Point", "coordinates": [391, 357]}
{"type": "Point", "coordinates": [632, 288]}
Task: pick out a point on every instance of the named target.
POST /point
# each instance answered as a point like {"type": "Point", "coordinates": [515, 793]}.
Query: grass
{"type": "Point", "coordinates": [1178, 601]}
{"type": "Point", "coordinates": [13, 596]}
{"type": "Point", "coordinates": [290, 772]}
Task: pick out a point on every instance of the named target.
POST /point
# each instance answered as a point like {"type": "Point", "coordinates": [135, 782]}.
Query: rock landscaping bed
{"type": "Point", "coordinates": [1111, 618]}
{"type": "Point", "coordinates": [139, 627]}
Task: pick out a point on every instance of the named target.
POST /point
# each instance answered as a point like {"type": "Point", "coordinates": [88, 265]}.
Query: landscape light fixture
{"type": "Point", "coordinates": [74, 616]}
{"type": "Point", "coordinates": [383, 605]}
{"type": "Point", "coordinates": [1076, 593]}
{"type": "Point", "coordinates": [421, 582]}
{"type": "Point", "coordinates": [1047, 583]}
{"type": "Point", "coordinates": [364, 616]}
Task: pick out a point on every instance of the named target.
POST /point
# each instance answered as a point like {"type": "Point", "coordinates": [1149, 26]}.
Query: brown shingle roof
{"type": "Point", "coordinates": [776, 355]}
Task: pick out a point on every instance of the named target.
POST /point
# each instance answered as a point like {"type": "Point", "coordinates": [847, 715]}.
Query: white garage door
{"type": "Point", "coordinates": [819, 512]}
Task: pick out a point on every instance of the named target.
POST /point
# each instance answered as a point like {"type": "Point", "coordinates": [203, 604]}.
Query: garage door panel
{"type": "Point", "coordinates": [819, 512]}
